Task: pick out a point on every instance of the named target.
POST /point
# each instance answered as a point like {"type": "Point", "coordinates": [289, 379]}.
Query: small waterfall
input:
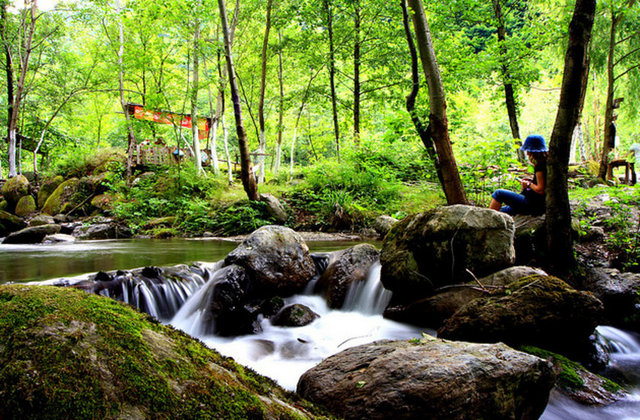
{"type": "Point", "coordinates": [618, 341]}
{"type": "Point", "coordinates": [369, 296]}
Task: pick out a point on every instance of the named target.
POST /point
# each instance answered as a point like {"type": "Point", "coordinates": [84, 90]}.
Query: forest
{"type": "Point", "coordinates": [287, 209]}
{"type": "Point", "coordinates": [326, 105]}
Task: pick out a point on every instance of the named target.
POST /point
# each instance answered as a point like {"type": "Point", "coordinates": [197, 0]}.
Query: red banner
{"type": "Point", "coordinates": [160, 117]}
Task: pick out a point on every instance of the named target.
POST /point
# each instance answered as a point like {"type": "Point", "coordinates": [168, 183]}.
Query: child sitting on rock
{"type": "Point", "coordinates": [531, 198]}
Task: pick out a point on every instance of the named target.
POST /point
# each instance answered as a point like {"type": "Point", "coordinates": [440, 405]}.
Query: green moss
{"type": "Point", "coordinates": [70, 354]}
{"type": "Point", "coordinates": [57, 202]}
{"type": "Point", "coordinates": [568, 376]}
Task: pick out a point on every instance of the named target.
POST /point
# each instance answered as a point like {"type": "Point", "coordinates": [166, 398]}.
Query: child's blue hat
{"type": "Point", "coordinates": [534, 143]}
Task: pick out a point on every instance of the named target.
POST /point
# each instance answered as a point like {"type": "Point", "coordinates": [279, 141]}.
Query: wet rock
{"type": "Point", "coordinates": [619, 292]}
{"type": "Point", "coordinates": [31, 235]}
{"type": "Point", "coordinates": [26, 205]}
{"type": "Point", "coordinates": [433, 249]}
{"type": "Point", "coordinates": [10, 223]}
{"type": "Point", "coordinates": [227, 310]}
{"type": "Point", "coordinates": [577, 383]}
{"type": "Point", "coordinates": [277, 261]}
{"type": "Point", "coordinates": [48, 187]}
{"type": "Point", "coordinates": [383, 224]}
{"type": "Point", "coordinates": [432, 379]}
{"type": "Point", "coordinates": [274, 208]}
{"type": "Point", "coordinates": [537, 310]}
{"type": "Point", "coordinates": [296, 315]}
{"type": "Point", "coordinates": [60, 201]}
{"type": "Point", "coordinates": [108, 230]}
{"type": "Point", "coordinates": [58, 238]}
{"type": "Point", "coordinates": [14, 189]}
{"type": "Point", "coordinates": [41, 219]}
{"type": "Point", "coordinates": [433, 311]}
{"type": "Point", "coordinates": [345, 268]}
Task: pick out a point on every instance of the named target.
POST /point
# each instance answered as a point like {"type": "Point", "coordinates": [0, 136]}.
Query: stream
{"type": "Point", "coordinates": [280, 353]}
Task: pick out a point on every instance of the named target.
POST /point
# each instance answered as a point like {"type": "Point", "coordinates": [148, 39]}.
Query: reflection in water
{"type": "Point", "coordinates": [23, 263]}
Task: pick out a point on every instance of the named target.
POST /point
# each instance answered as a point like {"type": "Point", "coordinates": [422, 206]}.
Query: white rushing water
{"type": "Point", "coordinates": [625, 360]}
{"type": "Point", "coordinates": [285, 353]}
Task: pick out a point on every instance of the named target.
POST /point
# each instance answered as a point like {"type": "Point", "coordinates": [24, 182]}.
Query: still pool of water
{"type": "Point", "coordinates": [23, 263]}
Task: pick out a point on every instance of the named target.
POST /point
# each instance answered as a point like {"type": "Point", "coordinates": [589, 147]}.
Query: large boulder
{"type": "Point", "coordinates": [432, 379]}
{"type": "Point", "coordinates": [48, 187]}
{"type": "Point", "coordinates": [434, 310]}
{"type": "Point", "coordinates": [383, 224]}
{"type": "Point", "coordinates": [10, 223]}
{"type": "Point", "coordinates": [440, 247]}
{"type": "Point", "coordinates": [277, 260]}
{"type": "Point", "coordinates": [542, 311]}
{"type": "Point", "coordinates": [274, 208]}
{"type": "Point", "coordinates": [104, 229]}
{"type": "Point", "coordinates": [619, 292]}
{"type": "Point", "coordinates": [26, 205]}
{"type": "Point", "coordinates": [346, 268]}
{"type": "Point", "coordinates": [61, 200]}
{"type": "Point", "coordinates": [31, 235]}
{"type": "Point", "coordinates": [70, 354]}
{"type": "Point", "coordinates": [14, 189]}
{"type": "Point", "coordinates": [41, 219]}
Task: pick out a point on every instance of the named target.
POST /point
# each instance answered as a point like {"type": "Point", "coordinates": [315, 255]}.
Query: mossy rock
{"type": "Point", "coordinates": [60, 200]}
{"type": "Point", "coordinates": [48, 187]}
{"type": "Point", "coordinates": [10, 223]}
{"type": "Point", "coordinates": [4, 204]}
{"type": "Point", "coordinates": [578, 383]}
{"type": "Point", "coordinates": [25, 206]}
{"type": "Point", "coordinates": [14, 189]}
{"type": "Point", "coordinates": [70, 354]}
{"type": "Point", "coordinates": [159, 222]}
{"type": "Point", "coordinates": [102, 201]}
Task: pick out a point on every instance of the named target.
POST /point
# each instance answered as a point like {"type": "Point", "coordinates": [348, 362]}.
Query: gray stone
{"type": "Point", "coordinates": [434, 310]}
{"type": "Point", "coordinates": [41, 219]}
{"type": "Point", "coordinates": [537, 310]}
{"type": "Point", "coordinates": [31, 235]}
{"type": "Point", "coordinates": [58, 238]}
{"type": "Point", "coordinates": [619, 292]}
{"type": "Point", "coordinates": [344, 269]}
{"type": "Point", "coordinates": [440, 247]}
{"type": "Point", "coordinates": [432, 379]}
{"type": "Point", "coordinates": [295, 315]}
{"type": "Point", "coordinates": [274, 208]}
{"type": "Point", "coordinates": [277, 260]}
{"type": "Point", "coordinates": [110, 230]}
{"type": "Point", "coordinates": [383, 224]}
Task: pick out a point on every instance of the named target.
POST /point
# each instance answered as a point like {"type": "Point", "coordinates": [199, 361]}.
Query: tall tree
{"type": "Point", "coordinates": [263, 85]}
{"type": "Point", "coordinates": [558, 212]}
{"type": "Point", "coordinates": [246, 172]}
{"type": "Point", "coordinates": [618, 13]}
{"type": "Point", "coordinates": [328, 8]}
{"type": "Point", "coordinates": [195, 85]}
{"type": "Point", "coordinates": [356, 71]}
{"type": "Point", "coordinates": [17, 58]}
{"type": "Point", "coordinates": [438, 125]}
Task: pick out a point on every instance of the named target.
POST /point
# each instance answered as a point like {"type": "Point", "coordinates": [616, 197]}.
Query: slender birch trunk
{"type": "Point", "coordinates": [246, 174]}
{"type": "Point", "coordinates": [194, 91]}
{"type": "Point", "coordinates": [263, 84]}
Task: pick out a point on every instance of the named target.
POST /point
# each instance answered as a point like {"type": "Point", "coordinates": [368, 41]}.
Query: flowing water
{"type": "Point", "coordinates": [282, 353]}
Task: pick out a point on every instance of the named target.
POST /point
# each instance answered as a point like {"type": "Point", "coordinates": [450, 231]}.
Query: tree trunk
{"type": "Point", "coordinates": [558, 213]}
{"type": "Point", "coordinates": [194, 91]}
{"type": "Point", "coordinates": [131, 138]}
{"type": "Point", "coordinates": [608, 111]}
{"type": "Point", "coordinates": [262, 147]}
{"type": "Point", "coordinates": [280, 106]}
{"type": "Point", "coordinates": [225, 132]}
{"type": "Point", "coordinates": [332, 76]}
{"type": "Point", "coordinates": [452, 185]}
{"type": "Point", "coordinates": [246, 173]}
{"type": "Point", "coordinates": [213, 129]}
{"type": "Point", "coordinates": [16, 91]}
{"type": "Point", "coordinates": [305, 96]}
{"type": "Point", "coordinates": [423, 131]}
{"type": "Point", "coordinates": [356, 75]}
{"type": "Point", "coordinates": [510, 99]}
